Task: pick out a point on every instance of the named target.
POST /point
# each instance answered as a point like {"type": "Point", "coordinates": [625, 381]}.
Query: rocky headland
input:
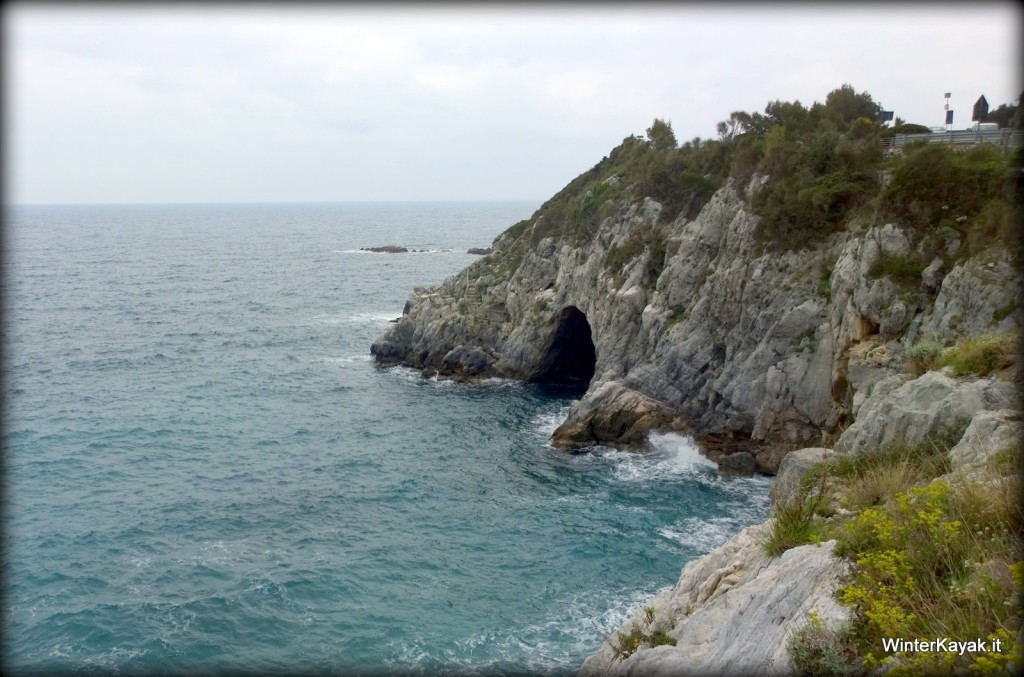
{"type": "Point", "coordinates": [701, 331]}
{"type": "Point", "coordinates": [785, 297]}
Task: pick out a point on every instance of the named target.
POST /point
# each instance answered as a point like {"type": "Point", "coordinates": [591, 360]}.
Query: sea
{"type": "Point", "coordinates": [204, 471]}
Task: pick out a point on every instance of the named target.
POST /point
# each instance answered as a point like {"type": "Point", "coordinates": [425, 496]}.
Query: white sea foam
{"type": "Point", "coordinates": [553, 644]}
{"type": "Point", "coordinates": [497, 382]}
{"type": "Point", "coordinates": [405, 374]}
{"type": "Point", "coordinates": [703, 535]}
{"type": "Point", "coordinates": [673, 456]}
{"type": "Point", "coordinates": [546, 422]}
{"type": "Point", "coordinates": [411, 251]}
{"type": "Point", "coordinates": [347, 359]}
{"type": "Point", "coordinates": [370, 317]}
{"type": "Point", "coordinates": [683, 448]}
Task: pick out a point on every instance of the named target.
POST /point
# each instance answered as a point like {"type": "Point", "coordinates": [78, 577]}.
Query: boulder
{"type": "Point", "coordinates": [973, 299]}
{"type": "Point", "coordinates": [988, 433]}
{"type": "Point", "coordinates": [739, 463]}
{"type": "Point", "coordinates": [614, 414]}
{"type": "Point", "coordinates": [931, 276]}
{"type": "Point", "coordinates": [794, 466]}
{"type": "Point", "coordinates": [467, 361]}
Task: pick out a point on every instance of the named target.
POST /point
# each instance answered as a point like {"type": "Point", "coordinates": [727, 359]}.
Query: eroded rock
{"type": "Point", "coordinates": [732, 611]}
{"type": "Point", "coordinates": [614, 414]}
{"type": "Point", "coordinates": [794, 466]}
{"type": "Point", "coordinates": [923, 408]}
{"type": "Point", "coordinates": [988, 433]}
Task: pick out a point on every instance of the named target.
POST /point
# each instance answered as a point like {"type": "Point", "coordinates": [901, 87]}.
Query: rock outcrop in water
{"type": "Point", "coordinates": [386, 249]}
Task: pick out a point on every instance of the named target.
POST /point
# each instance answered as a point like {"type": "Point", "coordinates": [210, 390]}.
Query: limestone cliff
{"type": "Point", "coordinates": [768, 293]}
{"type": "Point", "coordinates": [689, 323]}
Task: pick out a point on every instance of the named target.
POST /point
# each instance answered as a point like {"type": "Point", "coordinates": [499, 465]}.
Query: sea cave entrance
{"type": "Point", "coordinates": [570, 357]}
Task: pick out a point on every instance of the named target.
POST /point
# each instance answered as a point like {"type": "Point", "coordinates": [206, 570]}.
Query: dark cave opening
{"type": "Point", "coordinates": [570, 358]}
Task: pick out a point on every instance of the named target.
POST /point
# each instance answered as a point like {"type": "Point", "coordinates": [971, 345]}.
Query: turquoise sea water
{"type": "Point", "coordinates": [205, 471]}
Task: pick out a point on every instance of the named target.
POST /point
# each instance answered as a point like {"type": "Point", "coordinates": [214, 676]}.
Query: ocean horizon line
{"type": "Point", "coordinates": [228, 203]}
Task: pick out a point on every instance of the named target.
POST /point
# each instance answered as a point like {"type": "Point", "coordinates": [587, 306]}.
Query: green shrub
{"type": "Point", "coordinates": [982, 355]}
{"type": "Point", "coordinates": [1004, 311]}
{"type": "Point", "coordinates": [923, 356]}
{"type": "Point", "coordinates": [644, 240]}
{"type": "Point", "coordinates": [934, 186]}
{"type": "Point", "coordinates": [995, 222]}
{"type": "Point", "coordinates": [873, 476]}
{"type": "Point", "coordinates": [677, 316]}
{"type": "Point", "coordinates": [816, 650]}
{"type": "Point", "coordinates": [930, 559]}
{"type": "Point", "coordinates": [748, 150]}
{"type": "Point", "coordinates": [794, 523]}
{"type": "Point", "coordinates": [618, 255]}
{"type": "Point", "coordinates": [639, 634]}
{"type": "Point", "coordinates": [905, 270]}
{"type": "Point", "coordinates": [797, 210]}
{"type": "Point", "coordinates": [936, 561]}
{"type": "Point", "coordinates": [825, 283]}
{"type": "Point", "coordinates": [907, 128]}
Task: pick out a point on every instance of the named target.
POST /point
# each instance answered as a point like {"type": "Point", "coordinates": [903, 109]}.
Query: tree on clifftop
{"type": "Point", "coordinates": [661, 136]}
{"type": "Point", "coordinates": [847, 105]}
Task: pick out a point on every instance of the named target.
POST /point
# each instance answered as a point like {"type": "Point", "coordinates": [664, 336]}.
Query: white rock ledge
{"type": "Point", "coordinates": [733, 610]}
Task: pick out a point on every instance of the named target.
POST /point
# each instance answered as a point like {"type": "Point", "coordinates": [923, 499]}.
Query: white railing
{"type": "Point", "coordinates": [1007, 139]}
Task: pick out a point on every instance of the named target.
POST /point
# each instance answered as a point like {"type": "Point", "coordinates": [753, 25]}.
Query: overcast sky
{"type": "Point", "coordinates": [269, 103]}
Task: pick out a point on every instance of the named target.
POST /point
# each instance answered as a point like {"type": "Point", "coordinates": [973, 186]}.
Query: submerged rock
{"type": "Point", "coordinates": [737, 463]}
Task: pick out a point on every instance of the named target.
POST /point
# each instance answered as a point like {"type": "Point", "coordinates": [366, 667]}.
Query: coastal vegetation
{"type": "Point", "coordinates": [934, 554]}
{"type": "Point", "coordinates": [641, 635]}
{"type": "Point", "coordinates": [939, 559]}
{"type": "Point", "coordinates": [978, 355]}
{"type": "Point", "coordinates": [825, 171]}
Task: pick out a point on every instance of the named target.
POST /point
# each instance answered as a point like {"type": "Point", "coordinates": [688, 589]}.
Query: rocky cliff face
{"type": "Point", "coordinates": [690, 325]}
